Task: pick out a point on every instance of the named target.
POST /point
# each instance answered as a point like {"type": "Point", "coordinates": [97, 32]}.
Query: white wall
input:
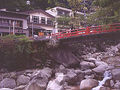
{"type": "Point", "coordinates": [42, 15]}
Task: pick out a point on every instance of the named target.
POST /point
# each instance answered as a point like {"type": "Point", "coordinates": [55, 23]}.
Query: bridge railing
{"type": "Point", "coordinates": [88, 31]}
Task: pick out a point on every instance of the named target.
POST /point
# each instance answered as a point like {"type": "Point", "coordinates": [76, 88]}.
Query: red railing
{"type": "Point", "coordinates": [88, 31]}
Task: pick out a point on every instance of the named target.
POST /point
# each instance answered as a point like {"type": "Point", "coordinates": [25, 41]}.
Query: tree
{"type": "Point", "coordinates": [107, 11]}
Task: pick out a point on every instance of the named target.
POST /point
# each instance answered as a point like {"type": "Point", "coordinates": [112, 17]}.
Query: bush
{"type": "Point", "coordinates": [18, 52]}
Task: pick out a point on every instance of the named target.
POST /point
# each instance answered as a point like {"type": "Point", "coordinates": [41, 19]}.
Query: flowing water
{"type": "Point", "coordinates": [107, 76]}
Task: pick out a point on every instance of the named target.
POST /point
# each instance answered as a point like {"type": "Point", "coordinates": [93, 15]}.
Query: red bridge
{"type": "Point", "coordinates": [88, 31]}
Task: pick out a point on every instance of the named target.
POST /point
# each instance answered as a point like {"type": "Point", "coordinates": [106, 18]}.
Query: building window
{"type": "Point", "coordinates": [43, 20]}
{"type": "Point", "coordinates": [49, 21]}
{"type": "Point", "coordinates": [35, 19]}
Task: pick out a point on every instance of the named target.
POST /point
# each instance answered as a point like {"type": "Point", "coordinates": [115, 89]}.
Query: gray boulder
{"type": "Point", "coordinates": [86, 65]}
{"type": "Point", "coordinates": [117, 85]}
{"type": "Point", "coordinates": [101, 67]}
{"type": "Point", "coordinates": [22, 80]}
{"type": "Point", "coordinates": [56, 84]}
{"type": "Point", "coordinates": [105, 88]}
{"type": "Point", "coordinates": [116, 74]}
{"type": "Point", "coordinates": [46, 72]}
{"type": "Point", "coordinates": [88, 84]}
{"type": "Point", "coordinates": [34, 86]}
{"type": "Point", "coordinates": [8, 83]}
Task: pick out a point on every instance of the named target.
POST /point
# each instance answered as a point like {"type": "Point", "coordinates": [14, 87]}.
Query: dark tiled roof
{"type": "Point", "coordinates": [17, 13]}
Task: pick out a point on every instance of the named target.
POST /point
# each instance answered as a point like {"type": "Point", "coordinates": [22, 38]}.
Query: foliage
{"type": "Point", "coordinates": [107, 11]}
{"type": "Point", "coordinates": [18, 52]}
{"type": "Point", "coordinates": [43, 4]}
{"type": "Point", "coordinates": [70, 22]}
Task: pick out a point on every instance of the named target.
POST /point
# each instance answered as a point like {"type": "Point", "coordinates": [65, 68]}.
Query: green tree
{"type": "Point", "coordinates": [107, 11]}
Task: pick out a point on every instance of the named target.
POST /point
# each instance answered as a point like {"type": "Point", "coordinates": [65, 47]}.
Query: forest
{"type": "Point", "coordinates": [98, 11]}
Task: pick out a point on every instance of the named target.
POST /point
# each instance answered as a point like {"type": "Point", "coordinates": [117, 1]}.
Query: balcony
{"type": "Point", "coordinates": [7, 25]}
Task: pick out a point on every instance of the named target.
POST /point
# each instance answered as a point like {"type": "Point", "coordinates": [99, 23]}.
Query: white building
{"type": "Point", "coordinates": [40, 22]}
{"type": "Point", "coordinates": [60, 11]}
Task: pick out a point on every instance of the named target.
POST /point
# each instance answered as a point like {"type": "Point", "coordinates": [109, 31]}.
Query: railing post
{"type": "Point", "coordinates": [87, 30]}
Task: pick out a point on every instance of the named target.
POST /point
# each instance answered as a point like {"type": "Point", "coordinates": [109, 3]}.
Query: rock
{"type": "Point", "coordinates": [113, 61]}
{"type": "Point", "coordinates": [111, 83]}
{"type": "Point", "coordinates": [117, 85]}
{"type": "Point", "coordinates": [56, 83]}
{"type": "Point", "coordinates": [98, 63]}
{"type": "Point", "coordinates": [71, 74]}
{"type": "Point", "coordinates": [37, 83]}
{"type": "Point", "coordinates": [39, 79]}
{"type": "Point", "coordinates": [34, 86]}
{"type": "Point", "coordinates": [61, 67]}
{"type": "Point", "coordinates": [6, 89]}
{"type": "Point", "coordinates": [72, 88]}
{"type": "Point", "coordinates": [116, 74]}
{"type": "Point", "coordinates": [88, 72]}
{"type": "Point", "coordinates": [22, 80]}
{"type": "Point", "coordinates": [8, 83]}
{"type": "Point", "coordinates": [46, 72]}
{"type": "Point", "coordinates": [105, 88]}
{"type": "Point", "coordinates": [88, 84]}
{"type": "Point", "coordinates": [78, 71]}
{"type": "Point", "coordinates": [22, 87]}
{"type": "Point", "coordinates": [100, 69]}
{"type": "Point", "coordinates": [89, 77]}
{"type": "Point", "coordinates": [86, 65]}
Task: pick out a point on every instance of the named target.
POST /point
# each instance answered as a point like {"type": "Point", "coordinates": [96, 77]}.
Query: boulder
{"type": "Point", "coordinates": [56, 83]}
{"type": "Point", "coordinates": [98, 63]}
{"type": "Point", "coordinates": [75, 80]}
{"type": "Point", "coordinates": [8, 83]}
{"type": "Point", "coordinates": [22, 87]}
{"type": "Point", "coordinates": [34, 86]}
{"type": "Point", "coordinates": [105, 88]}
{"type": "Point", "coordinates": [88, 84]}
{"type": "Point", "coordinates": [37, 83]}
{"type": "Point", "coordinates": [117, 85]}
{"type": "Point", "coordinates": [22, 80]}
{"type": "Point", "coordinates": [71, 73]}
{"type": "Point", "coordinates": [116, 74]}
{"type": "Point", "coordinates": [46, 72]}
{"type": "Point", "coordinates": [100, 69]}
{"type": "Point", "coordinates": [86, 65]}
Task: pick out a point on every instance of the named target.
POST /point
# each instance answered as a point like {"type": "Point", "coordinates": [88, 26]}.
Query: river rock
{"type": "Point", "coordinates": [8, 83]}
{"type": "Point", "coordinates": [117, 85]}
{"type": "Point", "coordinates": [101, 67]}
{"type": "Point", "coordinates": [88, 84]}
{"type": "Point", "coordinates": [116, 74]}
{"type": "Point", "coordinates": [56, 83]}
{"type": "Point", "coordinates": [35, 86]}
{"type": "Point", "coordinates": [46, 72]}
{"type": "Point", "coordinates": [86, 65]}
{"type": "Point", "coordinates": [22, 80]}
{"type": "Point", "coordinates": [105, 88]}
{"type": "Point", "coordinates": [22, 87]}
{"type": "Point", "coordinates": [75, 80]}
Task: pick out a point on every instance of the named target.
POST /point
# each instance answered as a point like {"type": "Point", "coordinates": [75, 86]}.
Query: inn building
{"type": "Point", "coordinates": [13, 23]}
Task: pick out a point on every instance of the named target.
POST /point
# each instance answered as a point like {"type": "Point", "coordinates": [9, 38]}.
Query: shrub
{"type": "Point", "coordinates": [18, 52]}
